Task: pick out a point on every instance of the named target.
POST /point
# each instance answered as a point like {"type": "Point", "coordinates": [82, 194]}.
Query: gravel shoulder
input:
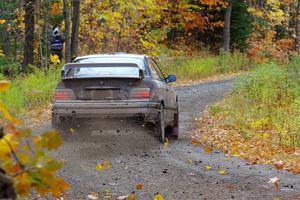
{"type": "Point", "coordinates": [137, 156]}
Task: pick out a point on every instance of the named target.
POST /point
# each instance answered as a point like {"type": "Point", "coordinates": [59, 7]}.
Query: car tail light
{"type": "Point", "coordinates": [140, 93]}
{"type": "Point", "coordinates": [64, 94]}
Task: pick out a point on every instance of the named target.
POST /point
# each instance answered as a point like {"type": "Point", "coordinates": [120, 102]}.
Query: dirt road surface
{"type": "Point", "coordinates": [137, 156]}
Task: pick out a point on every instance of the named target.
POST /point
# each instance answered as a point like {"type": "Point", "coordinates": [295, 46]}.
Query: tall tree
{"type": "Point", "coordinates": [67, 31]}
{"type": "Point", "coordinates": [75, 28]}
{"type": "Point", "coordinates": [226, 30]}
{"type": "Point", "coordinates": [29, 33]}
{"type": "Point", "coordinates": [297, 40]}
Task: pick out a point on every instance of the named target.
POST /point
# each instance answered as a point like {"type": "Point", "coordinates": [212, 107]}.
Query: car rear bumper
{"type": "Point", "coordinates": [91, 109]}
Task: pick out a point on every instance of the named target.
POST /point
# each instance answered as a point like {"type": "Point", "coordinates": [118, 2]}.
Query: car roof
{"type": "Point", "coordinates": [114, 58]}
{"type": "Point", "coordinates": [112, 55]}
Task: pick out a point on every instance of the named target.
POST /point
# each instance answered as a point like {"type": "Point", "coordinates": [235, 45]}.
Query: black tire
{"type": "Point", "coordinates": [56, 122]}
{"type": "Point", "coordinates": [161, 126]}
{"type": "Point", "coordinates": [175, 128]}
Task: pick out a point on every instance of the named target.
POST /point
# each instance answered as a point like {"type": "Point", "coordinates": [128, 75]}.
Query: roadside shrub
{"type": "Point", "coordinates": [198, 67]}
{"type": "Point", "coordinates": [32, 90]}
{"type": "Point", "coordinates": [267, 102]}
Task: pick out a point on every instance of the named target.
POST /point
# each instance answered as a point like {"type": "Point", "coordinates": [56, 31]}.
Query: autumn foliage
{"type": "Point", "coordinates": [25, 157]}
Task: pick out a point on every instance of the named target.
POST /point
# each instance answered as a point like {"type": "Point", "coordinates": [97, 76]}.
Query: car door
{"type": "Point", "coordinates": [170, 95]}
{"type": "Point", "coordinates": [157, 77]}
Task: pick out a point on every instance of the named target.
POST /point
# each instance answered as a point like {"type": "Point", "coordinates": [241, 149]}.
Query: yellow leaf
{"type": "Point", "coordinates": [72, 130]}
{"type": "Point", "coordinates": [266, 135]}
{"type": "Point", "coordinates": [51, 140]}
{"type": "Point", "coordinates": [222, 172]}
{"type": "Point", "coordinates": [2, 21]}
{"type": "Point", "coordinates": [4, 148]}
{"type": "Point", "coordinates": [166, 143]}
{"type": "Point", "coordinates": [106, 165]}
{"type": "Point", "coordinates": [131, 197]}
{"type": "Point", "coordinates": [190, 161]}
{"type": "Point", "coordinates": [208, 167]}
{"type": "Point", "coordinates": [54, 59]}
{"type": "Point", "coordinates": [228, 158]}
{"type": "Point", "coordinates": [7, 115]}
{"type": "Point", "coordinates": [4, 85]}
{"type": "Point", "coordinates": [139, 186]}
{"type": "Point", "coordinates": [277, 198]}
{"type": "Point", "coordinates": [207, 149]}
{"type": "Point", "coordinates": [93, 196]}
{"type": "Point", "coordinates": [98, 167]}
{"type": "Point", "coordinates": [22, 184]}
{"type": "Point", "coordinates": [158, 197]}
{"type": "Point", "coordinates": [195, 142]}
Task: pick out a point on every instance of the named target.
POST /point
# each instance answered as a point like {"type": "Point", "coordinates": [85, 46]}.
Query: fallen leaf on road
{"type": "Point", "coordinates": [139, 186]}
{"type": "Point", "coordinates": [72, 130]}
{"type": "Point", "coordinates": [275, 182]}
{"type": "Point", "coordinates": [131, 197]}
{"type": "Point", "coordinates": [279, 165]}
{"type": "Point", "coordinates": [195, 142]}
{"type": "Point", "coordinates": [106, 165]}
{"type": "Point", "coordinates": [190, 161]}
{"type": "Point", "coordinates": [222, 172]}
{"type": "Point", "coordinates": [207, 149]}
{"type": "Point", "coordinates": [166, 143]}
{"type": "Point", "coordinates": [208, 167]}
{"type": "Point", "coordinates": [98, 167]}
{"type": "Point", "coordinates": [122, 197]}
{"type": "Point", "coordinates": [93, 196]}
{"type": "Point", "coordinates": [191, 174]}
{"type": "Point", "coordinates": [158, 197]}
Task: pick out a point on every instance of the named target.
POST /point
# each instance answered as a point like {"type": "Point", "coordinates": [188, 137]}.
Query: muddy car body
{"type": "Point", "coordinates": [117, 86]}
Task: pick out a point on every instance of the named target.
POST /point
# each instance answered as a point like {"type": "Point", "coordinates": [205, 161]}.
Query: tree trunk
{"type": "Point", "coordinates": [75, 28]}
{"type": "Point", "coordinates": [67, 31]}
{"type": "Point", "coordinates": [227, 23]}
{"type": "Point", "coordinates": [39, 32]}
{"type": "Point", "coordinates": [297, 40]}
{"type": "Point", "coordinates": [29, 34]}
{"type": "Point", "coordinates": [46, 19]}
{"type": "Point", "coordinates": [5, 40]}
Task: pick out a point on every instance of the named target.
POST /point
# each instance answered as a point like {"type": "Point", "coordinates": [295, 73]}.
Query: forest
{"type": "Point", "coordinates": [255, 41]}
{"type": "Point", "coordinates": [262, 29]}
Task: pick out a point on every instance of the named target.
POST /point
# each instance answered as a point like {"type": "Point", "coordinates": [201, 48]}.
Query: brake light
{"type": "Point", "coordinates": [64, 95]}
{"type": "Point", "coordinates": [140, 93]}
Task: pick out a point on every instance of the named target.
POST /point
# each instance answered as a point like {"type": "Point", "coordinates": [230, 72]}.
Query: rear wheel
{"type": "Point", "coordinates": [161, 126]}
{"type": "Point", "coordinates": [56, 121]}
{"type": "Point", "coordinates": [175, 128]}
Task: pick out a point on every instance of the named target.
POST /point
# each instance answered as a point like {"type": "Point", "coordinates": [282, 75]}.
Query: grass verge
{"type": "Point", "coordinates": [189, 69]}
{"type": "Point", "coordinates": [260, 119]}
{"type": "Point", "coordinates": [30, 91]}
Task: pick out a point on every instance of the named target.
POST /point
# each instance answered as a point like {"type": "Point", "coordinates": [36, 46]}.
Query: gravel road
{"type": "Point", "coordinates": [138, 157]}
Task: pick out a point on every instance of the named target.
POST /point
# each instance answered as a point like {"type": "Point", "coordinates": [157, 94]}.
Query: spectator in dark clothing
{"type": "Point", "coordinates": [57, 43]}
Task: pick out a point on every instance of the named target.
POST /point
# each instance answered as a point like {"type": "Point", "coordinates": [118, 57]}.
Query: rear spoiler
{"type": "Point", "coordinates": [78, 65]}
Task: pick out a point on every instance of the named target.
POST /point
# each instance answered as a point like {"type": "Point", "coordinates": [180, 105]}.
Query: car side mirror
{"type": "Point", "coordinates": [171, 78]}
{"type": "Point", "coordinates": [141, 74]}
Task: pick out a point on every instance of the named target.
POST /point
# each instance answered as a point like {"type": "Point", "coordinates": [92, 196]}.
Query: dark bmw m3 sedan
{"type": "Point", "coordinates": [117, 86]}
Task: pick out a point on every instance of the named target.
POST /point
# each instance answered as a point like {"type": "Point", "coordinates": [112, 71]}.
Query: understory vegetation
{"type": "Point", "coordinates": [267, 102]}
{"type": "Point", "coordinates": [204, 65]}
{"type": "Point", "coordinates": [31, 90]}
{"type": "Point", "coordinates": [260, 119]}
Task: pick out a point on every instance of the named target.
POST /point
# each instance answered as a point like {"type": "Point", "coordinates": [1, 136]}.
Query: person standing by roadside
{"type": "Point", "coordinates": [57, 43]}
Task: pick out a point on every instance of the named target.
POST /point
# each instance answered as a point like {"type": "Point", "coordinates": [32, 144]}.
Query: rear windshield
{"type": "Point", "coordinates": [103, 71]}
